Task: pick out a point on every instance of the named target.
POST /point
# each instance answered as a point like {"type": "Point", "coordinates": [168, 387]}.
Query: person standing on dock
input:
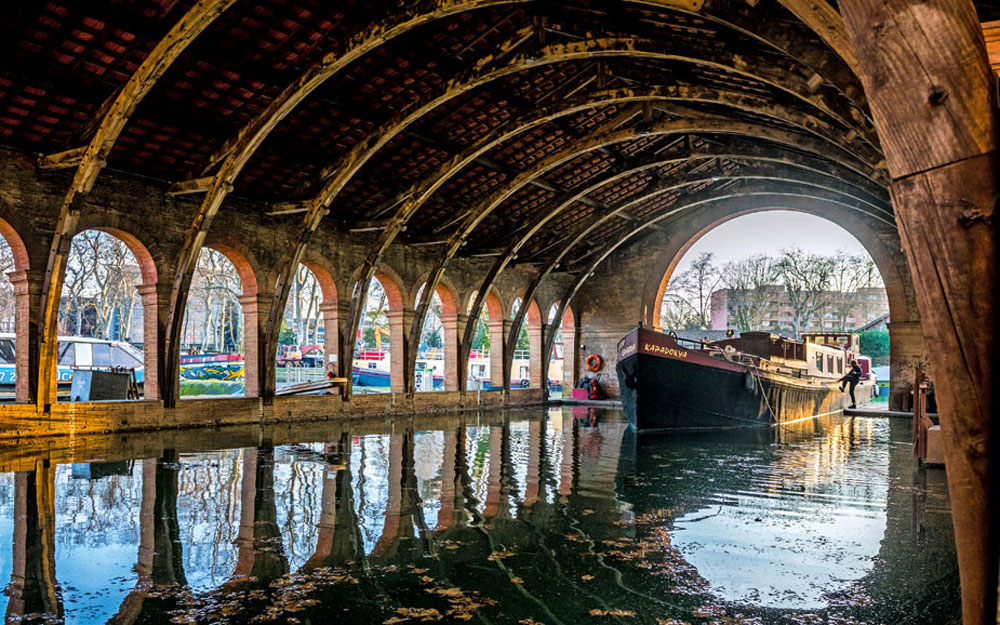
{"type": "Point", "coordinates": [852, 378]}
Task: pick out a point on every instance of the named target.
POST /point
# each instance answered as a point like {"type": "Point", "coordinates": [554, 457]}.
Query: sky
{"type": "Point", "coordinates": [769, 232]}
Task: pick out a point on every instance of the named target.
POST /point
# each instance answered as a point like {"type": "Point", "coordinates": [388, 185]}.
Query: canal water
{"type": "Point", "coordinates": [554, 516]}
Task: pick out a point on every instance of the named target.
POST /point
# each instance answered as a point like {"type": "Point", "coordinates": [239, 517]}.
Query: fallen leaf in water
{"type": "Point", "coordinates": [620, 613]}
{"type": "Point", "coordinates": [500, 555]}
{"type": "Point", "coordinates": [529, 621]}
{"type": "Point", "coordinates": [586, 578]}
{"type": "Point", "coordinates": [671, 621]}
{"type": "Point", "coordinates": [588, 511]}
{"type": "Point", "coordinates": [516, 580]}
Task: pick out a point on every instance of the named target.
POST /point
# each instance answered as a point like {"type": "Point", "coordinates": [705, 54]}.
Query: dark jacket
{"type": "Point", "coordinates": [854, 375]}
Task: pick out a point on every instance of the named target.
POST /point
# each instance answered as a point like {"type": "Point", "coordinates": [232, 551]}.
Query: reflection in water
{"type": "Point", "coordinates": [528, 517]}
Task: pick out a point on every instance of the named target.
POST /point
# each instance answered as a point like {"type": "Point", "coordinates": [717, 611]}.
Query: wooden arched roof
{"type": "Point", "coordinates": [487, 127]}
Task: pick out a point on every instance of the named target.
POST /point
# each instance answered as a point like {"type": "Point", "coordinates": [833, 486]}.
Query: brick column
{"type": "Point", "coordinates": [399, 325]}
{"type": "Point", "coordinates": [498, 337]}
{"type": "Point", "coordinates": [571, 358]}
{"type": "Point", "coordinates": [27, 308]}
{"type": "Point", "coordinates": [152, 342]}
{"type": "Point", "coordinates": [535, 356]}
{"type": "Point", "coordinates": [255, 309]}
{"type": "Point", "coordinates": [452, 327]}
{"type": "Point", "coordinates": [331, 337]}
{"type": "Point", "coordinates": [907, 352]}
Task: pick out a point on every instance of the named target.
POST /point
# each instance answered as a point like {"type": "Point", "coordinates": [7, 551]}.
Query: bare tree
{"type": "Point", "coordinates": [806, 277]}
{"type": "Point", "coordinates": [687, 300]}
{"type": "Point", "coordinates": [747, 281]}
{"type": "Point", "coordinates": [215, 289]}
{"type": "Point", "coordinates": [852, 275]}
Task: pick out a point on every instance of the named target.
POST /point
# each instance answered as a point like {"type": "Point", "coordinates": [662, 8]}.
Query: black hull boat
{"type": "Point", "coordinates": [668, 384]}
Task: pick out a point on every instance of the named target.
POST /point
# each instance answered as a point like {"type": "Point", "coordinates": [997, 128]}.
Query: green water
{"type": "Point", "coordinates": [550, 517]}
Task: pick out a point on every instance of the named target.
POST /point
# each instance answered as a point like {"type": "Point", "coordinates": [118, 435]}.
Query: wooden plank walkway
{"type": "Point", "coordinates": [875, 411]}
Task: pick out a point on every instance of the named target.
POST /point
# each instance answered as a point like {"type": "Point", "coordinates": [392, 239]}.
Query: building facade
{"type": "Point", "coordinates": [837, 311]}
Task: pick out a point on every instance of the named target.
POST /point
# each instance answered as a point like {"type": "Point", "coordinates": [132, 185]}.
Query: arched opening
{"type": "Point", "coordinates": [378, 356]}
{"type": "Point", "coordinates": [15, 383]}
{"type": "Point", "coordinates": [218, 358]}
{"type": "Point", "coordinates": [107, 345]}
{"type": "Point", "coordinates": [485, 369]}
{"type": "Point", "coordinates": [430, 370]}
{"type": "Point", "coordinates": [300, 357]}
{"type": "Point", "coordinates": [564, 356]}
{"type": "Point", "coordinates": [526, 366]}
{"type": "Point", "coordinates": [743, 273]}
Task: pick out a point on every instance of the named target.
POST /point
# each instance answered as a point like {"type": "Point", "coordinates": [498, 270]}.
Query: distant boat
{"type": "Point", "coordinates": [757, 380]}
{"type": "Point", "coordinates": [74, 352]}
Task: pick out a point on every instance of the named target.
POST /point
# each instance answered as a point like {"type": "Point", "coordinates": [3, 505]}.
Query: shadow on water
{"type": "Point", "coordinates": [552, 517]}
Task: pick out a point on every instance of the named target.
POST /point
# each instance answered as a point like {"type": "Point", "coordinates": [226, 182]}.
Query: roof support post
{"type": "Point", "coordinates": [933, 98]}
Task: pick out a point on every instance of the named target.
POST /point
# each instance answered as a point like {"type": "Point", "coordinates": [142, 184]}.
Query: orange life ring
{"type": "Point", "coordinates": [594, 362]}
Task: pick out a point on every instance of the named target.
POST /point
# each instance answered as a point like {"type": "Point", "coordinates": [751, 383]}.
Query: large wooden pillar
{"type": "Point", "coordinates": [933, 98]}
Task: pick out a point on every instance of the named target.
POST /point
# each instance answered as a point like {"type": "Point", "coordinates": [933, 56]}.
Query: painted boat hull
{"type": "Point", "coordinates": [661, 394]}
{"type": "Point", "coordinates": [666, 387]}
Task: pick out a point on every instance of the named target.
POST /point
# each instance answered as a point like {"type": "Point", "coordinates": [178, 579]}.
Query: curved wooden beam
{"type": "Point", "coordinates": [827, 23]}
{"type": "Point", "coordinates": [93, 159]}
{"type": "Point", "coordinates": [478, 213]}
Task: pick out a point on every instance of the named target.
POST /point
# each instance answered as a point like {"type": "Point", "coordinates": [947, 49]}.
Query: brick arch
{"type": "Point", "coordinates": [22, 260]}
{"type": "Point", "coordinates": [892, 268]}
{"type": "Point", "coordinates": [392, 285]}
{"type": "Point", "coordinates": [445, 291]}
{"type": "Point", "coordinates": [533, 315]}
{"type": "Point", "coordinates": [494, 307]}
{"type": "Point", "coordinates": [327, 285]}
{"type": "Point", "coordinates": [146, 251]}
{"type": "Point", "coordinates": [147, 265]}
{"type": "Point", "coordinates": [244, 268]}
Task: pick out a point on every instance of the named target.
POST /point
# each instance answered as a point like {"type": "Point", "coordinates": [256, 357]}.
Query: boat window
{"type": "Point", "coordinates": [829, 364]}
{"type": "Point", "coordinates": [840, 365]}
{"type": "Point", "coordinates": [102, 355]}
{"type": "Point", "coordinates": [122, 358]}
{"type": "Point", "coordinates": [67, 353]}
{"type": "Point", "coordinates": [819, 362]}
{"type": "Point", "coordinates": [7, 352]}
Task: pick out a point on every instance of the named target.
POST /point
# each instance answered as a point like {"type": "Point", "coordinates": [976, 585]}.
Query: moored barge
{"type": "Point", "coordinates": [756, 380]}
